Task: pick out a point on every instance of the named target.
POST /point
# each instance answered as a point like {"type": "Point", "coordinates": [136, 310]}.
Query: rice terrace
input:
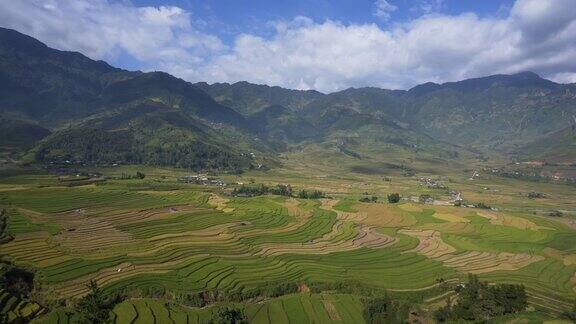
{"type": "Point", "coordinates": [327, 196]}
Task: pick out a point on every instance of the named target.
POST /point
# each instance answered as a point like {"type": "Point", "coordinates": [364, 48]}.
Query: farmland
{"type": "Point", "coordinates": [158, 240]}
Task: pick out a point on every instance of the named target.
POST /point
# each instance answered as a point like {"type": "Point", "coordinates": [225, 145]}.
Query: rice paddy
{"type": "Point", "coordinates": [157, 234]}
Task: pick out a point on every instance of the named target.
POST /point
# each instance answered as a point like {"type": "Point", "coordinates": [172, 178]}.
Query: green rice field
{"type": "Point", "coordinates": [157, 239]}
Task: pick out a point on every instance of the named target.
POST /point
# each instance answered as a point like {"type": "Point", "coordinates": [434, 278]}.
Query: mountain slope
{"type": "Point", "coordinates": [147, 133]}
{"type": "Point", "coordinates": [557, 147]}
{"type": "Point", "coordinates": [248, 98]}
{"type": "Point", "coordinates": [497, 112]}
{"type": "Point", "coordinates": [55, 87]}
{"type": "Point", "coordinates": [157, 118]}
{"type": "Point", "coordinates": [48, 85]}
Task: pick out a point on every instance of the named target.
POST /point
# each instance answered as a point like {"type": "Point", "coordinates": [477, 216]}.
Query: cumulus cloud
{"type": "Point", "coordinates": [537, 35]}
{"type": "Point", "coordinates": [102, 29]}
{"type": "Point", "coordinates": [384, 9]}
{"type": "Point", "coordinates": [434, 47]}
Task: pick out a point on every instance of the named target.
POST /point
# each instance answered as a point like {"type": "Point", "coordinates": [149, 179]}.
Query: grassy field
{"type": "Point", "coordinates": [162, 237]}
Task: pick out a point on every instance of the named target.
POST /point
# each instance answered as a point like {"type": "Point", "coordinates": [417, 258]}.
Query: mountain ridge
{"type": "Point", "coordinates": [497, 112]}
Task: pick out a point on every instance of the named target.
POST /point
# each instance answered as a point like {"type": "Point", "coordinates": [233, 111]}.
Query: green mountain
{"type": "Point", "coordinates": [149, 133]}
{"type": "Point", "coordinates": [557, 147]}
{"type": "Point", "coordinates": [96, 113]}
{"type": "Point", "coordinates": [248, 98]}
{"type": "Point", "coordinates": [16, 133]}
{"type": "Point", "coordinates": [499, 113]}
{"type": "Point", "coordinates": [100, 114]}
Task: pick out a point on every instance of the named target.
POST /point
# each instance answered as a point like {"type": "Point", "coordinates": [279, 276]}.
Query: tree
{"type": "Point", "coordinates": [478, 301]}
{"type": "Point", "coordinates": [571, 314]}
{"type": "Point", "coordinates": [94, 307]}
{"type": "Point", "coordinates": [230, 316]}
{"type": "Point", "coordinates": [394, 198]}
{"type": "Point", "coordinates": [385, 310]}
{"type": "Point", "coordinates": [4, 235]}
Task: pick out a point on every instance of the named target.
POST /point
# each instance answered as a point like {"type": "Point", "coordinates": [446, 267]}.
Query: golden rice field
{"type": "Point", "coordinates": [157, 234]}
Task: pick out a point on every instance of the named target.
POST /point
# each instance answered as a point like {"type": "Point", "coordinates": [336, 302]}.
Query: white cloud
{"type": "Point", "coordinates": [384, 9]}
{"type": "Point", "coordinates": [537, 35]}
{"type": "Point", "coordinates": [428, 6]}
{"type": "Point", "coordinates": [102, 29]}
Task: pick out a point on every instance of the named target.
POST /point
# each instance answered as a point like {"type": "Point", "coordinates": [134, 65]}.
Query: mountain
{"type": "Point", "coordinates": [501, 112]}
{"type": "Point", "coordinates": [17, 134]}
{"type": "Point", "coordinates": [498, 113]}
{"type": "Point", "coordinates": [147, 133]}
{"type": "Point", "coordinates": [248, 98]}
{"type": "Point", "coordinates": [281, 124]}
{"type": "Point", "coordinates": [55, 87]}
{"type": "Point", "coordinates": [66, 106]}
{"type": "Point", "coordinates": [48, 85]}
{"type": "Point", "coordinates": [556, 147]}
{"type": "Point", "coordinates": [101, 114]}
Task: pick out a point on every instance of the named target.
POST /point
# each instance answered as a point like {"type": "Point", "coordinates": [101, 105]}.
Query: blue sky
{"type": "Point", "coordinates": [311, 44]}
{"type": "Point", "coordinates": [227, 18]}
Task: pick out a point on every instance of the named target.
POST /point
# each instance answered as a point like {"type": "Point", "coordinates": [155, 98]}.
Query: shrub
{"type": "Point", "coordinates": [482, 205]}
{"type": "Point", "coordinates": [95, 307]}
{"type": "Point", "coordinates": [230, 316]}
{"type": "Point", "coordinates": [478, 301]}
{"type": "Point", "coordinates": [313, 194]}
{"type": "Point", "coordinates": [394, 198]}
{"type": "Point", "coordinates": [5, 237]}
{"type": "Point", "coordinates": [385, 310]}
{"type": "Point", "coordinates": [555, 213]}
{"type": "Point", "coordinates": [535, 195]}
{"type": "Point", "coordinates": [425, 198]}
{"type": "Point", "coordinates": [371, 199]}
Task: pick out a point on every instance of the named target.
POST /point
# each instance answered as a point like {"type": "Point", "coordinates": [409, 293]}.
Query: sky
{"type": "Point", "coordinates": [326, 45]}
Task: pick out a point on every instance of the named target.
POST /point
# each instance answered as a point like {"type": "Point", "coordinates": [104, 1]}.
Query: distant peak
{"type": "Point", "coordinates": [527, 74]}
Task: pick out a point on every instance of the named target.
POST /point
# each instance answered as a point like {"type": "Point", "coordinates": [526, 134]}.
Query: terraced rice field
{"type": "Point", "coordinates": [139, 237]}
{"type": "Point", "coordinates": [295, 308]}
{"type": "Point", "coordinates": [15, 309]}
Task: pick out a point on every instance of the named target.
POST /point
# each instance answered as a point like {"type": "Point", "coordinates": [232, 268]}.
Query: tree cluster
{"type": "Point", "coordinates": [536, 195]}
{"type": "Point", "coordinates": [310, 194]}
{"type": "Point", "coordinates": [262, 189]}
{"type": "Point", "coordinates": [4, 235]}
{"type": "Point", "coordinates": [96, 146]}
{"type": "Point", "coordinates": [386, 310]}
{"type": "Point", "coordinates": [394, 198]}
{"type": "Point", "coordinates": [479, 301]}
{"type": "Point", "coordinates": [17, 281]}
{"type": "Point", "coordinates": [369, 199]}
{"type": "Point", "coordinates": [281, 190]}
{"type": "Point", "coordinates": [230, 316]}
{"type": "Point", "coordinates": [95, 307]}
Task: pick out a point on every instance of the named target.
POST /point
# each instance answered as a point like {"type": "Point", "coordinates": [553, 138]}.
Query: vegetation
{"type": "Point", "coordinates": [95, 307]}
{"type": "Point", "coordinates": [536, 195]}
{"type": "Point", "coordinates": [371, 199]}
{"type": "Point", "coordinates": [230, 316]}
{"type": "Point", "coordinates": [4, 235]}
{"type": "Point", "coordinates": [555, 213]}
{"type": "Point", "coordinates": [386, 310]}
{"type": "Point", "coordinates": [478, 301]}
{"type": "Point", "coordinates": [570, 315]}
{"type": "Point", "coordinates": [482, 205]}
{"type": "Point", "coordinates": [98, 198]}
{"type": "Point", "coordinates": [310, 194]}
{"type": "Point", "coordinates": [394, 198]}
{"type": "Point", "coordinates": [259, 190]}
{"type": "Point", "coordinates": [17, 281]}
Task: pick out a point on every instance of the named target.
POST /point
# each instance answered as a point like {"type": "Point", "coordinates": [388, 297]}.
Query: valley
{"type": "Point", "coordinates": [172, 202]}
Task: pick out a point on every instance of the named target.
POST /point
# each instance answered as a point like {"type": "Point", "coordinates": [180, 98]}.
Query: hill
{"type": "Point", "coordinates": [68, 92]}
